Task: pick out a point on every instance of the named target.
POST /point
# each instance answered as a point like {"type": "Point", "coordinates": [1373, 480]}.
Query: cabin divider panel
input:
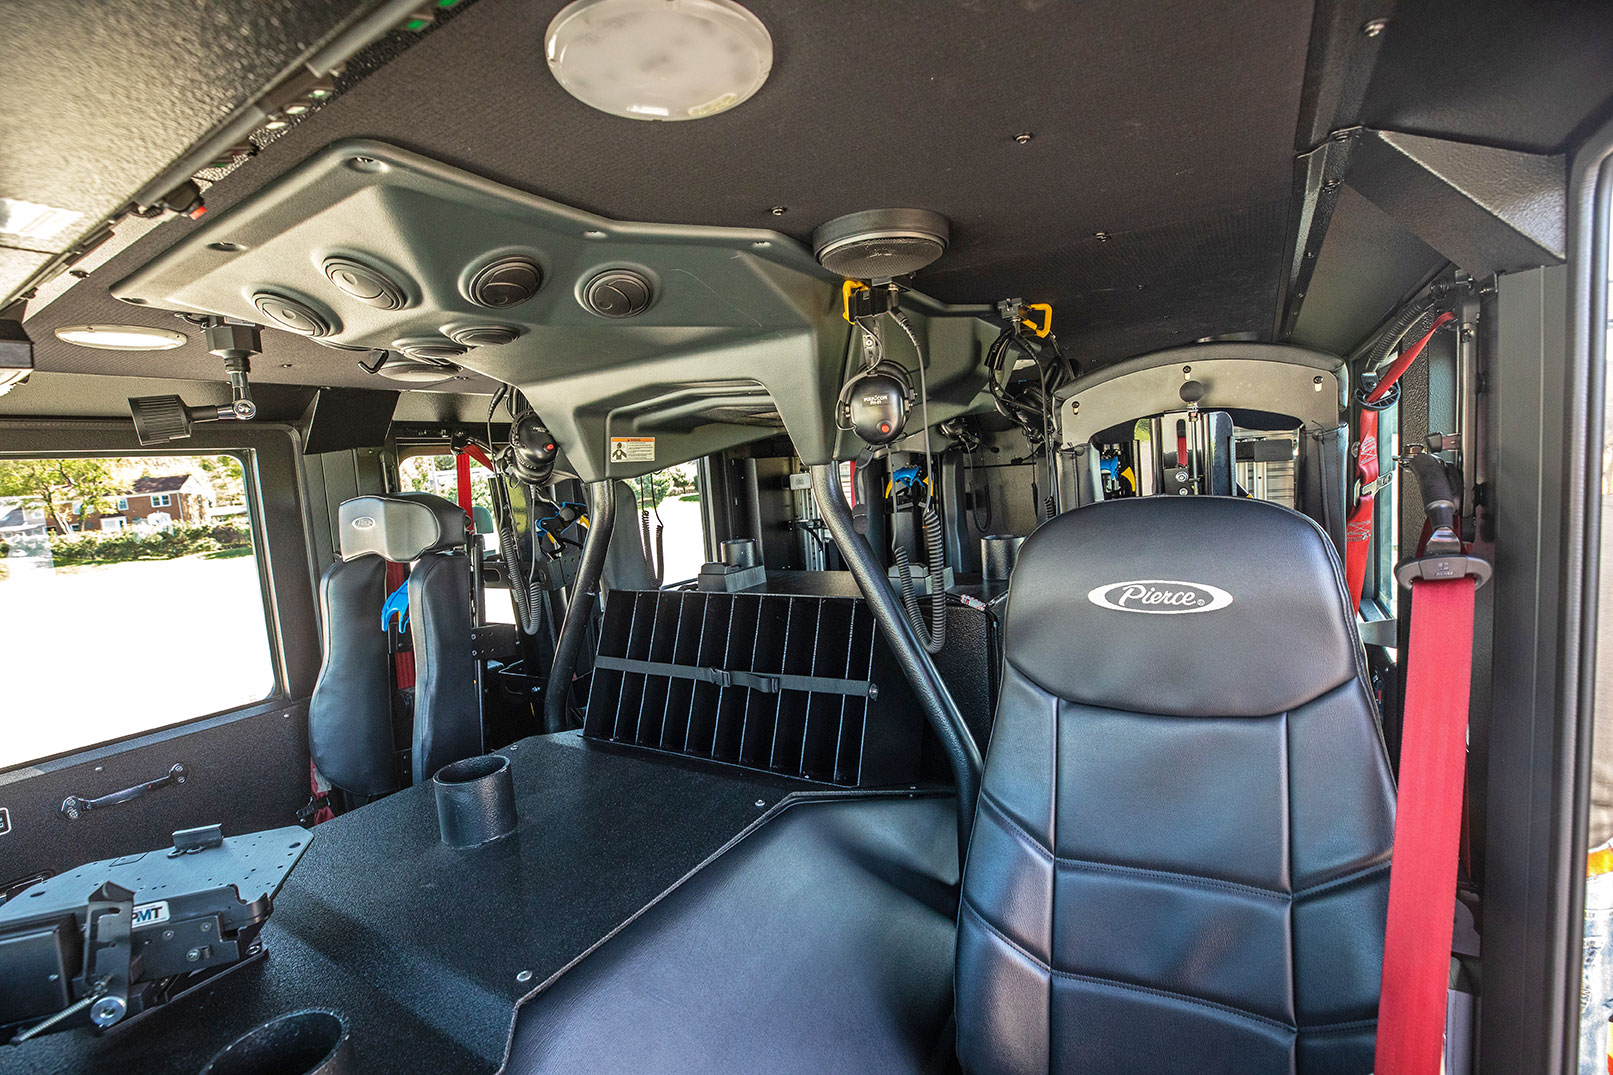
{"type": "Point", "coordinates": [773, 682]}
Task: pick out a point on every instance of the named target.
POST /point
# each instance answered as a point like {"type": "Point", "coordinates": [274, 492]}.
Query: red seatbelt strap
{"type": "Point", "coordinates": [480, 456]}
{"type": "Point", "coordinates": [1428, 819]}
{"type": "Point", "coordinates": [462, 480]}
{"type": "Point", "coordinates": [402, 663]}
{"type": "Point", "coordinates": [1358, 528]}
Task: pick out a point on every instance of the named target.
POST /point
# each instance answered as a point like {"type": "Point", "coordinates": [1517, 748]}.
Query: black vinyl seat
{"type": "Point", "coordinates": [1180, 859]}
{"type": "Point", "coordinates": [350, 717]}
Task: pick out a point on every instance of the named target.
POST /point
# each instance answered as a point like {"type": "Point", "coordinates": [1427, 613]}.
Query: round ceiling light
{"type": "Point", "coordinates": [122, 337]}
{"type": "Point", "coordinates": [659, 59]}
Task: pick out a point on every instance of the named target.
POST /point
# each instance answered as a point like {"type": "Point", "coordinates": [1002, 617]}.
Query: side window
{"type": "Point", "coordinates": [117, 618]}
{"type": "Point", "coordinates": [670, 516]}
{"type": "Point", "coordinates": [433, 471]}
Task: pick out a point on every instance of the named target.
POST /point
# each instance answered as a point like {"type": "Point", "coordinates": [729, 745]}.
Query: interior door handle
{"type": "Point", "coordinates": [75, 805]}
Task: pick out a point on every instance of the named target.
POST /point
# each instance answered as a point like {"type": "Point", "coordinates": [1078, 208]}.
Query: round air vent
{"type": "Point", "coordinates": [484, 335]}
{"type": "Point", "coordinates": [880, 243]}
{"type": "Point", "coordinates": [414, 370]}
{"type": "Point", "coordinates": [505, 282]}
{"type": "Point", "coordinates": [365, 283]}
{"type": "Point", "coordinates": [434, 349]}
{"type": "Point", "coordinates": [617, 293]}
{"type": "Point", "coordinates": [291, 314]}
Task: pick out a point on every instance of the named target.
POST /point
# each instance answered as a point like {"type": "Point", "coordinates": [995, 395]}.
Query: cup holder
{"type": "Point", "coordinates": [312, 1042]}
{"type": "Point", "coordinates": [475, 800]}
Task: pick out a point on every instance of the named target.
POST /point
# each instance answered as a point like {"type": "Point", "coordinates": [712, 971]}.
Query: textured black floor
{"type": "Point", "coordinates": [420, 946]}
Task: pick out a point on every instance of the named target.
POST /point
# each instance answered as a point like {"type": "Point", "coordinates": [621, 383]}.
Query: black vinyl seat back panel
{"type": "Point", "coordinates": [1180, 859]}
{"type": "Point", "coordinates": [1283, 638]}
{"type": "Point", "coordinates": [447, 698]}
{"type": "Point", "coordinates": [350, 723]}
{"type": "Point", "coordinates": [350, 714]}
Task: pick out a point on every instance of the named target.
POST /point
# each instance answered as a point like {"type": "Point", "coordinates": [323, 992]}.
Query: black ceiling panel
{"type": "Point", "coordinates": [1168, 126]}
{"type": "Point", "coordinates": [1527, 76]}
{"type": "Point", "coordinates": [98, 96]}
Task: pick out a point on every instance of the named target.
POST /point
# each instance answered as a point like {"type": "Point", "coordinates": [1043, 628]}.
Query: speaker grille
{"type": "Point", "coordinates": [877, 258]}
{"type": "Point", "coordinates": [505, 282]}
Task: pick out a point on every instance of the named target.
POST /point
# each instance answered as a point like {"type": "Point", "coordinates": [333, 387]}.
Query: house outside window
{"type": "Point", "coordinates": [123, 503]}
{"type": "Point", "coordinates": [160, 500]}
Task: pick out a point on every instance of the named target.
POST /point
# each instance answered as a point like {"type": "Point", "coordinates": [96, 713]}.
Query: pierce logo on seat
{"type": "Point", "coordinates": [1159, 597]}
{"type": "Point", "coordinates": [363, 522]}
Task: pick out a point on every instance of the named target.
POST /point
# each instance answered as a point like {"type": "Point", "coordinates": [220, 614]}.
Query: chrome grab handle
{"type": "Point", "coordinates": [75, 805]}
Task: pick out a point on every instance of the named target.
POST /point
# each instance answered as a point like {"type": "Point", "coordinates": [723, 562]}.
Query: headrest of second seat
{"type": "Point", "coordinates": [400, 527]}
{"type": "Point", "coordinates": [1182, 606]}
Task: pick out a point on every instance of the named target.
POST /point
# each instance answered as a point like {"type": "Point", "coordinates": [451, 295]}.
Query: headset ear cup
{"type": "Point", "coordinates": [843, 404]}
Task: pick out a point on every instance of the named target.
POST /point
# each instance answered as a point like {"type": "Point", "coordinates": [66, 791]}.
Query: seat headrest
{"type": "Point", "coordinates": [400, 527]}
{"type": "Point", "coordinates": [1182, 606]}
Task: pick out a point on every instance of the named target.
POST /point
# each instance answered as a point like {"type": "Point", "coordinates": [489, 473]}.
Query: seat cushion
{"type": "Point", "coordinates": [1180, 857]}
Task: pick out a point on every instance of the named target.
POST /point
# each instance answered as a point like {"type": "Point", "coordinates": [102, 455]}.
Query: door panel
{"type": "Point", "coordinates": [246, 768]}
{"type": "Point", "coordinates": [246, 771]}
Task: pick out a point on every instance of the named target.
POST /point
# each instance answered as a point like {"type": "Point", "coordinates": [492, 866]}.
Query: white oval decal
{"type": "Point", "coordinates": [1159, 597]}
{"type": "Point", "coordinates": [363, 522]}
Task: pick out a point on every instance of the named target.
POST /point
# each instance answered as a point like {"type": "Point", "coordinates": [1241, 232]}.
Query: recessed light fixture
{"type": "Point", "coordinates": [659, 59]}
{"type": "Point", "coordinates": [121, 337]}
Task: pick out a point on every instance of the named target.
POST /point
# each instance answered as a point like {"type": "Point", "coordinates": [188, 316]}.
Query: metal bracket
{"type": "Point", "coordinates": [108, 925]}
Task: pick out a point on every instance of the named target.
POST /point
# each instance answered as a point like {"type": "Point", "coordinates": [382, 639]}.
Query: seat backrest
{"type": "Point", "coordinates": [625, 566]}
{"type": "Point", "coordinates": [1181, 854]}
{"type": "Point", "coordinates": [350, 733]}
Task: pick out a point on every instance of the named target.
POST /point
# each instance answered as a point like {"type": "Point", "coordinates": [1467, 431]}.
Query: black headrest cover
{"type": "Point", "coordinates": [400, 527]}
{"type": "Point", "coordinates": [1181, 606]}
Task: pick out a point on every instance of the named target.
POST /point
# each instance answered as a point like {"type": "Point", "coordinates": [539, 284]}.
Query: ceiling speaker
{"type": "Point", "coordinates": [879, 244]}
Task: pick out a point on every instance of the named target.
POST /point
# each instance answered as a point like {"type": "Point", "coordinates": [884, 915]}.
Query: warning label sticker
{"type": "Point", "coordinates": [632, 449]}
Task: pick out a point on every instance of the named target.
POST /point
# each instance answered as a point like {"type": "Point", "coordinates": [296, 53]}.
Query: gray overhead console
{"type": "Point", "coordinates": [609, 328]}
{"type": "Point", "coordinates": [1310, 387]}
{"type": "Point", "coordinates": [1109, 422]}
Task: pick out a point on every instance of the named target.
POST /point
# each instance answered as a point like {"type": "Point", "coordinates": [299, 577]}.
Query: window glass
{"type": "Point", "coordinates": [118, 617]}
{"type": "Point", "coordinates": [677, 536]}
{"type": "Point", "coordinates": [435, 472]}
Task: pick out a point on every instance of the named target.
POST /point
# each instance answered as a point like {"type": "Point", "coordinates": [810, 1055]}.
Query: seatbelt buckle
{"type": "Point", "coordinates": [1440, 566]}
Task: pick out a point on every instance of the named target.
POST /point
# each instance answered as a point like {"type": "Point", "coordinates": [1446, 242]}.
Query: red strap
{"type": "Point", "coordinates": [480, 456]}
{"type": "Point", "coordinates": [1428, 818]}
{"type": "Point", "coordinates": [324, 813]}
{"type": "Point", "coordinates": [1407, 357]}
{"type": "Point", "coordinates": [462, 481]}
{"type": "Point", "coordinates": [1358, 528]}
{"type": "Point", "coordinates": [402, 663]}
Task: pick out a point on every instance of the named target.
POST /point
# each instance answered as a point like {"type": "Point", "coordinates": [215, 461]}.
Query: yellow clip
{"type": "Point", "coordinates": [845, 297]}
{"type": "Point", "coordinates": [1047, 318]}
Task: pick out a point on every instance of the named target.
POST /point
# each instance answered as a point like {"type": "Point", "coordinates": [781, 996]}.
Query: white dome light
{"type": "Point", "coordinates": [659, 59]}
{"type": "Point", "coordinates": [121, 337]}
